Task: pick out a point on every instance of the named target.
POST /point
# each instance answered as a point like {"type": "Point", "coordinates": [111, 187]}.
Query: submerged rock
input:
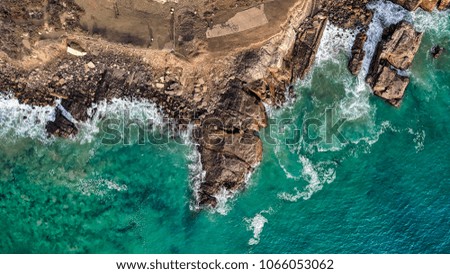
{"type": "Point", "coordinates": [395, 52]}
{"type": "Point", "coordinates": [437, 51]}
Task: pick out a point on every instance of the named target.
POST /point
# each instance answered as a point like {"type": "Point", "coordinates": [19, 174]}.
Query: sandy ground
{"type": "Point", "coordinates": [152, 24]}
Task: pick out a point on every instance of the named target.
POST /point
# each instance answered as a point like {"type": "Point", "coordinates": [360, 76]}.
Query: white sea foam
{"type": "Point", "coordinates": [335, 41]}
{"type": "Point", "coordinates": [225, 197]}
{"type": "Point", "coordinates": [223, 205]}
{"type": "Point", "coordinates": [419, 138]}
{"type": "Point", "coordinates": [278, 152]}
{"type": "Point", "coordinates": [256, 224]}
{"type": "Point", "coordinates": [436, 21]}
{"type": "Point", "coordinates": [122, 110]}
{"type": "Point", "coordinates": [23, 121]}
{"type": "Point", "coordinates": [99, 187]}
{"type": "Point", "coordinates": [316, 176]}
{"type": "Point", "coordinates": [196, 172]}
{"type": "Point", "coordinates": [386, 13]}
{"type": "Point", "coordinates": [356, 103]}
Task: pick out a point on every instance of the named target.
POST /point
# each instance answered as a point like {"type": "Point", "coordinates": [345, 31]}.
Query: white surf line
{"type": "Point", "coordinates": [22, 120]}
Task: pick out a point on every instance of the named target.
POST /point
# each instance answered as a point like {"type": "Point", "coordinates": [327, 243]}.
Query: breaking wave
{"type": "Point", "coordinates": [143, 111]}
{"type": "Point", "coordinates": [335, 41]}
{"type": "Point", "coordinates": [26, 121]}
{"type": "Point", "coordinates": [23, 121]}
{"type": "Point", "coordinates": [436, 21]}
{"type": "Point", "coordinates": [354, 106]}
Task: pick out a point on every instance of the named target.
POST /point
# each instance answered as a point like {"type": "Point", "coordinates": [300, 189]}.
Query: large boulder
{"type": "Point", "coordinates": [394, 53]}
{"type": "Point", "coordinates": [400, 45]}
{"type": "Point", "coordinates": [429, 5]}
{"type": "Point", "coordinates": [411, 5]}
{"type": "Point", "coordinates": [390, 86]}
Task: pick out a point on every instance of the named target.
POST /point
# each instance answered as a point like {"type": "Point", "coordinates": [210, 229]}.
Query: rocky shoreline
{"type": "Point", "coordinates": [47, 56]}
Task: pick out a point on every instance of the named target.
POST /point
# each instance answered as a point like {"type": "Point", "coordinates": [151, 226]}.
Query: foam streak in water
{"type": "Point", "coordinates": [256, 224]}
{"type": "Point", "coordinates": [316, 176]}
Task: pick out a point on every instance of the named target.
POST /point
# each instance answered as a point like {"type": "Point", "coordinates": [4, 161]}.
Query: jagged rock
{"type": "Point", "coordinates": [395, 52]}
{"type": "Point", "coordinates": [229, 144]}
{"type": "Point", "coordinates": [61, 127]}
{"type": "Point", "coordinates": [400, 45]}
{"type": "Point", "coordinates": [358, 53]}
{"type": "Point", "coordinates": [349, 14]}
{"type": "Point", "coordinates": [390, 86]}
{"type": "Point", "coordinates": [411, 5]}
{"type": "Point", "coordinates": [306, 46]}
{"type": "Point", "coordinates": [437, 51]}
{"type": "Point", "coordinates": [444, 4]}
{"type": "Point", "coordinates": [429, 5]}
{"type": "Point", "coordinates": [76, 107]}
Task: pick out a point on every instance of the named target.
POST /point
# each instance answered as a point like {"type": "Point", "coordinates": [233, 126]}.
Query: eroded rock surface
{"type": "Point", "coordinates": [306, 46]}
{"type": "Point", "coordinates": [358, 53]}
{"type": "Point", "coordinates": [229, 143]}
{"type": "Point", "coordinates": [394, 53]}
{"type": "Point", "coordinates": [411, 5]}
{"type": "Point", "coordinates": [429, 5]}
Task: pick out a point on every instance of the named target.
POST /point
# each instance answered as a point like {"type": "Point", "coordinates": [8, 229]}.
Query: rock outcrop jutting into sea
{"type": "Point", "coordinates": [60, 54]}
{"type": "Point", "coordinates": [394, 53]}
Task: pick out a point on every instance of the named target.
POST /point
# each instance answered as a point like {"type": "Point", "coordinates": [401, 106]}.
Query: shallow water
{"type": "Point", "coordinates": [386, 191]}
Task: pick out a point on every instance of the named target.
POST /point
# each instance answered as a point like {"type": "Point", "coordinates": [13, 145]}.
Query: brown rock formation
{"type": "Point", "coordinates": [401, 45]}
{"type": "Point", "coordinates": [444, 4]}
{"type": "Point", "coordinates": [306, 45]}
{"type": "Point", "coordinates": [229, 144]}
{"type": "Point", "coordinates": [389, 85]}
{"type": "Point", "coordinates": [395, 52]}
{"type": "Point", "coordinates": [358, 53]}
{"type": "Point", "coordinates": [348, 14]}
{"type": "Point", "coordinates": [411, 5]}
{"type": "Point", "coordinates": [429, 5]}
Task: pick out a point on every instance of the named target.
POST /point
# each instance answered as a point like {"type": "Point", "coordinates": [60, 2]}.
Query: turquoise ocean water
{"type": "Point", "coordinates": [386, 191]}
